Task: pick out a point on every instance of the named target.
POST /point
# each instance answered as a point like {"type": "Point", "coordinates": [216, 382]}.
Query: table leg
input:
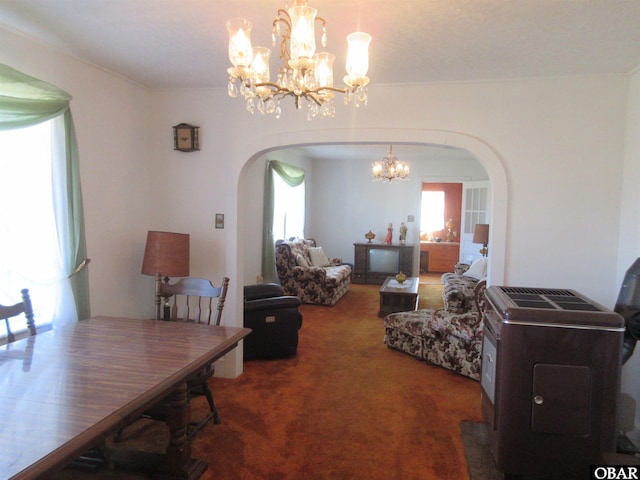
{"type": "Point", "coordinates": [178, 463]}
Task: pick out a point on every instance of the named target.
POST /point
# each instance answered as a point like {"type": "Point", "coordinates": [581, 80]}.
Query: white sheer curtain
{"type": "Point", "coordinates": [32, 256]}
{"type": "Point", "coordinates": [288, 209]}
{"type": "Point", "coordinates": [27, 102]}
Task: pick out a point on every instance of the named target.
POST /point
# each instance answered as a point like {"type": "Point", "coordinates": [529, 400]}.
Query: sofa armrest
{"type": "Point", "coordinates": [262, 290]}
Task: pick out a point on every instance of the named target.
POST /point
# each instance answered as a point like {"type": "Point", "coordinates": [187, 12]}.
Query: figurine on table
{"type": "Point", "coordinates": [387, 240]}
{"type": "Point", "coordinates": [403, 233]}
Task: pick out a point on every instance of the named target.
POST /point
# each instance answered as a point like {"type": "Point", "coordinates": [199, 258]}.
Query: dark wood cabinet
{"type": "Point", "coordinates": [374, 262]}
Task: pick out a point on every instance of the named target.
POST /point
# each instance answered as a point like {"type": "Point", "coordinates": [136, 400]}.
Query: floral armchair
{"type": "Point", "coordinates": [304, 271]}
{"type": "Point", "coordinates": [450, 339]}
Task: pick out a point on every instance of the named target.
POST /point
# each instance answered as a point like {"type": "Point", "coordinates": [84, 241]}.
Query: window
{"type": "Point", "coordinates": [288, 209]}
{"type": "Point", "coordinates": [475, 207]}
{"type": "Point", "coordinates": [45, 239]}
{"type": "Point", "coordinates": [283, 214]}
{"type": "Point", "coordinates": [27, 227]}
{"type": "Point", "coordinates": [432, 212]}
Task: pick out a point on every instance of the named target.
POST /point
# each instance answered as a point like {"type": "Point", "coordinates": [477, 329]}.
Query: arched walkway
{"type": "Point", "coordinates": [255, 147]}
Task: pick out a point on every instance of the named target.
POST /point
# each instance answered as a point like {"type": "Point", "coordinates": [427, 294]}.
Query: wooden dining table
{"type": "Point", "coordinates": [62, 392]}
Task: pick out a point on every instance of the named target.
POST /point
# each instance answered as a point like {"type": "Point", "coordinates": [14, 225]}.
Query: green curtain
{"type": "Point", "coordinates": [27, 101]}
{"type": "Point", "coordinates": [293, 176]}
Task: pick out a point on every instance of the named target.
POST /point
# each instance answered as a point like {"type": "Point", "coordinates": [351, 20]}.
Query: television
{"type": "Point", "coordinates": [383, 260]}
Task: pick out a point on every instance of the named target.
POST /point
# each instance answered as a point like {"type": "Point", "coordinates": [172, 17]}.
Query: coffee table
{"type": "Point", "coordinates": [398, 297]}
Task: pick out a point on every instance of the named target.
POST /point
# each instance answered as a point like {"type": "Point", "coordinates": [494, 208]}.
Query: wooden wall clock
{"type": "Point", "coordinates": [186, 137]}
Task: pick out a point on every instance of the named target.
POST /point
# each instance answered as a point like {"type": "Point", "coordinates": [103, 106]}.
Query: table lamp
{"type": "Point", "coordinates": [481, 235]}
{"type": "Point", "coordinates": [166, 254]}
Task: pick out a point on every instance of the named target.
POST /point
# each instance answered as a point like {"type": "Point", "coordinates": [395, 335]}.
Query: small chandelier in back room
{"type": "Point", "coordinates": [390, 168]}
{"type": "Point", "coordinates": [304, 74]}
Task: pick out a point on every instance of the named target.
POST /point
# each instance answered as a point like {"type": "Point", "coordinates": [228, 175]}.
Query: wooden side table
{"type": "Point", "coordinates": [396, 297]}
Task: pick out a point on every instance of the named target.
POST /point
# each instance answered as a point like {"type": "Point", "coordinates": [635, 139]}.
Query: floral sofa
{"type": "Point", "coordinates": [449, 338]}
{"type": "Point", "coordinates": [304, 271]}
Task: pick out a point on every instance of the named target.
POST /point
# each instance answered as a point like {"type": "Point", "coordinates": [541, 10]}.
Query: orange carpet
{"type": "Point", "coordinates": [346, 407]}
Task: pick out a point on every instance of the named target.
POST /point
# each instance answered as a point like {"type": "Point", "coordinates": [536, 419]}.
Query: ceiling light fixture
{"type": "Point", "coordinates": [390, 168]}
{"type": "Point", "coordinates": [304, 74]}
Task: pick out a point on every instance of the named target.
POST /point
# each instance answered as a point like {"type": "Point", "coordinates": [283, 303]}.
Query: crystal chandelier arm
{"type": "Point", "coordinates": [277, 90]}
{"type": "Point", "coordinates": [323, 39]}
{"type": "Point", "coordinates": [282, 16]}
{"type": "Point", "coordinates": [333, 89]}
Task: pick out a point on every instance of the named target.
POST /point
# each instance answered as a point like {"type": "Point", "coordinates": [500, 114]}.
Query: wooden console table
{"type": "Point", "coordinates": [364, 271]}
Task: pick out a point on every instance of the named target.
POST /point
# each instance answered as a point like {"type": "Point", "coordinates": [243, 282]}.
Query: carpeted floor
{"type": "Point", "coordinates": [345, 407]}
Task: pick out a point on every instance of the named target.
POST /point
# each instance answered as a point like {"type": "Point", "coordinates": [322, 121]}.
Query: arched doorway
{"type": "Point", "coordinates": [255, 148]}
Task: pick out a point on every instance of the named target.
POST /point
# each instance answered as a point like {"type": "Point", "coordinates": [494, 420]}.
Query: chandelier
{"type": "Point", "coordinates": [304, 74]}
{"type": "Point", "coordinates": [390, 168]}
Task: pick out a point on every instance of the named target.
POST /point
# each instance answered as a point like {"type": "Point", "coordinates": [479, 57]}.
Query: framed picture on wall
{"type": "Point", "coordinates": [219, 220]}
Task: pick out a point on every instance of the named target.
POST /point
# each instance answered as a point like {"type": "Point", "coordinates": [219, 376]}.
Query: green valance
{"type": "Point", "coordinates": [26, 101]}
{"type": "Point", "coordinates": [292, 175]}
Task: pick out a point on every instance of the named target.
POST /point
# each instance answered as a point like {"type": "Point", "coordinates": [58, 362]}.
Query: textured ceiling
{"type": "Point", "coordinates": [183, 43]}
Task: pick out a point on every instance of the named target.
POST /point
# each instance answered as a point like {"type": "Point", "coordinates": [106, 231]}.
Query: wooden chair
{"type": "Point", "coordinates": [193, 300]}
{"type": "Point", "coordinates": [24, 307]}
{"type": "Point", "coordinates": [196, 300]}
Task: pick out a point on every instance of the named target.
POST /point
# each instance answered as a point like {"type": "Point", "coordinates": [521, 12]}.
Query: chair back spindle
{"type": "Point", "coordinates": [24, 307]}
{"type": "Point", "coordinates": [195, 300]}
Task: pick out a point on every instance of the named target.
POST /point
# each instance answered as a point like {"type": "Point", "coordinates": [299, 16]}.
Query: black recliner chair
{"type": "Point", "coordinates": [274, 320]}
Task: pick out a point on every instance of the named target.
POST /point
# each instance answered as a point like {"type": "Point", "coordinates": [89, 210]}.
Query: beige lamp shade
{"type": "Point", "coordinates": [166, 254]}
{"type": "Point", "coordinates": [481, 233]}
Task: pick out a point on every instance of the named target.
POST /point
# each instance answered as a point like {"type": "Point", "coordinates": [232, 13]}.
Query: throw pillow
{"type": "Point", "coordinates": [318, 258]}
{"type": "Point", "coordinates": [478, 269]}
{"type": "Point", "coordinates": [301, 261]}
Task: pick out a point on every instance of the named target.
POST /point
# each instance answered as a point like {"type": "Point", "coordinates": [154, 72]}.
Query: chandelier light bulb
{"type": "Point", "coordinates": [358, 54]}
{"type": "Point", "coordinates": [260, 64]}
{"type": "Point", "coordinates": [303, 39]}
{"type": "Point", "coordinates": [240, 51]}
{"type": "Point", "coordinates": [324, 69]}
